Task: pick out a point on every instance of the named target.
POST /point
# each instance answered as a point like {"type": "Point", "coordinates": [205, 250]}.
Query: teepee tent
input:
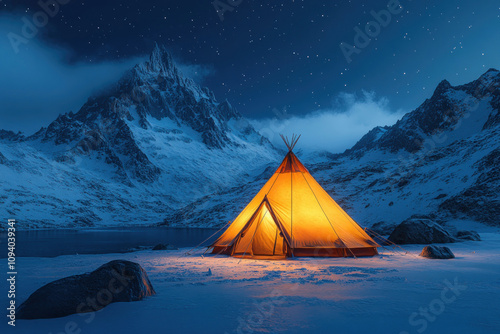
{"type": "Point", "coordinates": [292, 215]}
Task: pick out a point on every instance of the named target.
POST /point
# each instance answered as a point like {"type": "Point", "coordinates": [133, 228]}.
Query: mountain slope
{"type": "Point", "coordinates": [440, 159]}
{"type": "Point", "coordinates": [151, 143]}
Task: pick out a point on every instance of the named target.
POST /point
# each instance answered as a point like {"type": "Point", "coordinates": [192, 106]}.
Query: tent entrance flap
{"type": "Point", "coordinates": [261, 237]}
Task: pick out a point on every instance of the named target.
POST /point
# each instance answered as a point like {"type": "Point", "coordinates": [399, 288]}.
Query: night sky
{"type": "Point", "coordinates": [266, 56]}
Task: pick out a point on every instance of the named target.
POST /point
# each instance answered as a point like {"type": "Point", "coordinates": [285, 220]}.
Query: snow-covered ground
{"type": "Point", "coordinates": [391, 293]}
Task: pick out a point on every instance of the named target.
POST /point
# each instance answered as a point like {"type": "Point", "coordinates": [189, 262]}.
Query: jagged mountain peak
{"type": "Point", "coordinates": [442, 86]}
{"type": "Point", "coordinates": [155, 70]}
{"type": "Point", "coordinates": [160, 56]}
{"type": "Point", "coordinates": [154, 88]}
{"type": "Point", "coordinates": [477, 102]}
{"type": "Point", "coordinates": [11, 135]}
{"type": "Point", "coordinates": [486, 84]}
{"type": "Point", "coordinates": [492, 71]}
{"type": "Point", "coordinates": [161, 61]}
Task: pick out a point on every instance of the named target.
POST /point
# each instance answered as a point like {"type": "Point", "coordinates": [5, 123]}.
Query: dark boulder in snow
{"type": "Point", "coordinates": [160, 247]}
{"type": "Point", "coordinates": [164, 247]}
{"type": "Point", "coordinates": [115, 281]}
{"type": "Point", "coordinates": [437, 252]}
{"type": "Point", "coordinates": [468, 235]}
{"type": "Point", "coordinates": [383, 228]}
{"type": "Point", "coordinates": [420, 231]}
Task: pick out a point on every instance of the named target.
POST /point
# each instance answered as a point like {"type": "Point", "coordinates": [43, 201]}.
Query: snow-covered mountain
{"type": "Point", "coordinates": [441, 159]}
{"type": "Point", "coordinates": [148, 145]}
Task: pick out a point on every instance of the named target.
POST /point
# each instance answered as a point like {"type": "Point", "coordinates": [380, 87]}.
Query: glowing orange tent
{"type": "Point", "coordinates": [292, 215]}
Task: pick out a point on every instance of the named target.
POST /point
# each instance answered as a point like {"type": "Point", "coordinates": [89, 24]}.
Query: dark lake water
{"type": "Point", "coordinates": [50, 243]}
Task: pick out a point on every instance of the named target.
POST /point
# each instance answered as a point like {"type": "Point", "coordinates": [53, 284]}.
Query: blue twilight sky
{"type": "Point", "coordinates": [275, 59]}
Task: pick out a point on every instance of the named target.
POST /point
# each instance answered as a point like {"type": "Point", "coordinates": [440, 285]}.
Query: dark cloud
{"type": "Point", "coordinates": [37, 83]}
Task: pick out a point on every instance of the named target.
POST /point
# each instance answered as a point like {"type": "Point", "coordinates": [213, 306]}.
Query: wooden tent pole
{"type": "Point", "coordinates": [296, 140]}
{"type": "Point", "coordinates": [290, 144]}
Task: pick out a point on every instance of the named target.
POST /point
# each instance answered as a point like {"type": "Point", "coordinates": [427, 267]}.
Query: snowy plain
{"type": "Point", "coordinates": [391, 293]}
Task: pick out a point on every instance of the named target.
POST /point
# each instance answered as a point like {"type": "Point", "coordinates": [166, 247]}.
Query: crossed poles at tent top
{"type": "Point", "coordinates": [290, 144]}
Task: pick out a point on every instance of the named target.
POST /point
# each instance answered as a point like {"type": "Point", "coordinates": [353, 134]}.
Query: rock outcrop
{"type": "Point", "coordinates": [116, 281]}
